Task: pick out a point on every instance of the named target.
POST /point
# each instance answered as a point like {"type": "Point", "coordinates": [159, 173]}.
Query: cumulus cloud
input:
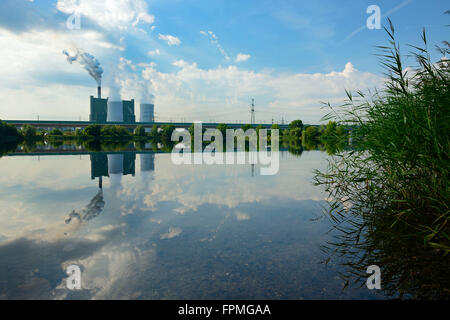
{"type": "Point", "coordinates": [173, 232]}
{"type": "Point", "coordinates": [171, 40]}
{"type": "Point", "coordinates": [155, 52]}
{"type": "Point", "coordinates": [180, 63]}
{"type": "Point", "coordinates": [199, 92]}
{"type": "Point", "coordinates": [242, 57]}
{"type": "Point", "coordinates": [109, 14]}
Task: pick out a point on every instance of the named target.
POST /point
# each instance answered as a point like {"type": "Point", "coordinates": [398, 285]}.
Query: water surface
{"type": "Point", "coordinates": [155, 230]}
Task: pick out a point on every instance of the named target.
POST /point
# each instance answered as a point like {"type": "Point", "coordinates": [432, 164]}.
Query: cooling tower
{"type": "Point", "coordinates": [147, 112]}
{"type": "Point", "coordinates": [115, 163]}
{"type": "Point", "coordinates": [147, 162]}
{"type": "Point", "coordinates": [115, 111]}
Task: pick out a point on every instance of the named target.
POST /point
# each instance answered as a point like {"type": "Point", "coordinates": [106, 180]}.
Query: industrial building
{"type": "Point", "coordinates": [106, 110]}
{"type": "Point", "coordinates": [103, 164]}
{"type": "Point", "coordinates": [98, 110]}
{"type": "Point", "coordinates": [121, 111]}
{"type": "Point", "coordinates": [129, 161]}
{"type": "Point", "coordinates": [99, 165]}
{"type": "Point", "coordinates": [128, 111]}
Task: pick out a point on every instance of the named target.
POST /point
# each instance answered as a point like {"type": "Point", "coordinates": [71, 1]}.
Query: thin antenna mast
{"type": "Point", "coordinates": [252, 111]}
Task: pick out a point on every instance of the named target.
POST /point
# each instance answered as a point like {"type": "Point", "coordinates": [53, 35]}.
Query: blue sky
{"type": "Point", "coordinates": [201, 60]}
{"type": "Point", "coordinates": [294, 36]}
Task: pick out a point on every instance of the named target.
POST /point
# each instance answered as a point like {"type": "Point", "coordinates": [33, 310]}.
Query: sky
{"type": "Point", "coordinates": [202, 60]}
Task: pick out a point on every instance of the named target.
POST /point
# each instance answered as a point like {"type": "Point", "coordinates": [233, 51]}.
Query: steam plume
{"type": "Point", "coordinates": [88, 62]}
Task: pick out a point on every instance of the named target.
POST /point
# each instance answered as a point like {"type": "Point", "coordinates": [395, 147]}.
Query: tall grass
{"type": "Point", "coordinates": [402, 173]}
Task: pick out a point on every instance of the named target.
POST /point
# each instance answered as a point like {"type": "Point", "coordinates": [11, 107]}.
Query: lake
{"type": "Point", "coordinates": [140, 227]}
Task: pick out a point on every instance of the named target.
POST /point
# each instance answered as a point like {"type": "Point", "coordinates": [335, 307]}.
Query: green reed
{"type": "Point", "coordinates": [400, 169]}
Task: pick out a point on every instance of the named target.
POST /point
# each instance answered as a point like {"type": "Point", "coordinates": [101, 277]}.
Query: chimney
{"type": "Point", "coordinates": [99, 90]}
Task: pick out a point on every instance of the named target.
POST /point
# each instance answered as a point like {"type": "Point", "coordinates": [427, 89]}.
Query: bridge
{"type": "Point", "coordinates": [82, 124]}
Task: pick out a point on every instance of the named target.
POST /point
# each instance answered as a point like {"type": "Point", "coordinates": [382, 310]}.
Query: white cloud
{"type": "Point", "coordinates": [180, 63]}
{"type": "Point", "coordinates": [222, 93]}
{"type": "Point", "coordinates": [215, 40]}
{"type": "Point", "coordinates": [171, 40]}
{"type": "Point", "coordinates": [173, 232]}
{"type": "Point", "coordinates": [109, 14]}
{"type": "Point", "coordinates": [155, 52]}
{"type": "Point", "coordinates": [242, 57]}
{"type": "Point", "coordinates": [147, 65]}
{"type": "Point", "coordinates": [242, 216]}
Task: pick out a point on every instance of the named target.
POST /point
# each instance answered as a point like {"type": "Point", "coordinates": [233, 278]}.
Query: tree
{"type": "Point", "coordinates": [139, 131]}
{"type": "Point", "coordinates": [28, 132]}
{"type": "Point", "coordinates": [78, 132]}
{"type": "Point", "coordinates": [310, 133]}
{"type": "Point", "coordinates": [8, 132]}
{"type": "Point", "coordinates": [154, 131]}
{"type": "Point", "coordinates": [222, 127]}
{"type": "Point", "coordinates": [191, 130]}
{"type": "Point", "coordinates": [340, 131]}
{"type": "Point", "coordinates": [166, 133]}
{"type": "Point", "coordinates": [92, 130]}
{"type": "Point", "coordinates": [115, 131]}
{"type": "Point", "coordinates": [56, 132]}
{"type": "Point", "coordinates": [330, 130]}
{"type": "Point", "coordinates": [295, 133]}
{"type": "Point", "coordinates": [296, 124]}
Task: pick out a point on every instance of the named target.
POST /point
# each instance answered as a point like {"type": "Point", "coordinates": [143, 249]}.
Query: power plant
{"type": "Point", "coordinates": [147, 112]}
{"type": "Point", "coordinates": [106, 110]}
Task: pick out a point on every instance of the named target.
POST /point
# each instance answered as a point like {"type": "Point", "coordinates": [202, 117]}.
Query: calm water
{"type": "Point", "coordinates": [160, 231]}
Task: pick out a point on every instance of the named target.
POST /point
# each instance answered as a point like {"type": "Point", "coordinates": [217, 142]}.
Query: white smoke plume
{"type": "Point", "coordinates": [88, 62]}
{"type": "Point", "coordinates": [132, 83]}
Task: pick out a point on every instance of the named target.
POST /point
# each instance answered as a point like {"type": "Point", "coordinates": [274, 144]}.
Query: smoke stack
{"type": "Point", "coordinates": [99, 92]}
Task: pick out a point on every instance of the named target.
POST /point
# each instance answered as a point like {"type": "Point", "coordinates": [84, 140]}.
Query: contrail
{"type": "Point", "coordinates": [88, 62]}
{"type": "Point", "coordinates": [401, 5]}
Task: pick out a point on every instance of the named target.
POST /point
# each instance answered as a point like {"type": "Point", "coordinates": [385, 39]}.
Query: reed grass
{"type": "Point", "coordinates": [401, 168]}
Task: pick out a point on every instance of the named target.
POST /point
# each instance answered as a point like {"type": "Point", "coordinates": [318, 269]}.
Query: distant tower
{"type": "Point", "coordinates": [252, 111]}
{"type": "Point", "coordinates": [147, 112]}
